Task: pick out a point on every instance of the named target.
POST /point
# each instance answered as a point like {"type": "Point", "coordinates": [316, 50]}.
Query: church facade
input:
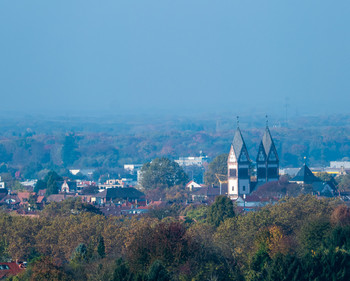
{"type": "Point", "coordinates": [239, 164]}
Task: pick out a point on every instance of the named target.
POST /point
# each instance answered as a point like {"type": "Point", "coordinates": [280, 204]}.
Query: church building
{"type": "Point", "coordinates": [239, 165]}
{"type": "Point", "coordinates": [267, 162]}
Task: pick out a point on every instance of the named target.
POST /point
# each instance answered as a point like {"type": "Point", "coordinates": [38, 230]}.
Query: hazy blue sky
{"type": "Point", "coordinates": [174, 56]}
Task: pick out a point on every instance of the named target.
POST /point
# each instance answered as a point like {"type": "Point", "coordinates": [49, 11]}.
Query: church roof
{"type": "Point", "coordinates": [305, 175]}
{"type": "Point", "coordinates": [267, 141]}
{"type": "Point", "coordinates": [238, 143]}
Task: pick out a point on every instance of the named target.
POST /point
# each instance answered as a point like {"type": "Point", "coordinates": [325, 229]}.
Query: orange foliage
{"type": "Point", "coordinates": [341, 216]}
{"type": "Point", "coordinates": [274, 240]}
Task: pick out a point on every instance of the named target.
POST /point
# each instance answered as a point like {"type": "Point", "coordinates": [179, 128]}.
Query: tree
{"type": "Point", "coordinates": [341, 216]}
{"type": "Point", "coordinates": [344, 183]}
{"type": "Point", "coordinates": [52, 179]}
{"type": "Point", "coordinates": [220, 210]}
{"type": "Point", "coordinates": [166, 242]}
{"type": "Point", "coordinates": [69, 150]}
{"type": "Point", "coordinates": [162, 172]}
{"type": "Point", "coordinates": [324, 176]}
{"type": "Point", "coordinates": [45, 269]}
{"type": "Point", "coordinates": [273, 241]}
{"type": "Point", "coordinates": [101, 249]}
{"type": "Point", "coordinates": [40, 184]}
{"type": "Point", "coordinates": [122, 271]}
{"type": "Point", "coordinates": [80, 254]}
{"type": "Point", "coordinates": [339, 237]}
{"type": "Point", "coordinates": [312, 235]}
{"type": "Point", "coordinates": [217, 166]}
{"type": "Point", "coordinates": [157, 272]}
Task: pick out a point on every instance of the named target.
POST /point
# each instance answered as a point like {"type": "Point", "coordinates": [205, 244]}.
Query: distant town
{"type": "Point", "coordinates": [251, 184]}
{"type": "Point", "coordinates": [100, 206]}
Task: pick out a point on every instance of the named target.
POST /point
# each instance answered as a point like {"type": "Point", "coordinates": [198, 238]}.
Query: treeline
{"type": "Point", "coordinates": [49, 145]}
{"type": "Point", "coordinates": [301, 238]}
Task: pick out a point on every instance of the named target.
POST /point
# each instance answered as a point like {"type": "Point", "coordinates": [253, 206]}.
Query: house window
{"type": "Point", "coordinates": [243, 187]}
{"type": "Point", "coordinates": [4, 267]}
{"type": "Point", "coordinates": [233, 172]}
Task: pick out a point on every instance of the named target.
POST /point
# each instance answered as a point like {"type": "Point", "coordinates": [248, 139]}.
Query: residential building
{"type": "Point", "coordinates": [132, 168]}
{"type": "Point", "coordinates": [340, 164]}
{"type": "Point", "coordinates": [8, 269]}
{"type": "Point", "coordinates": [305, 176]}
{"type": "Point", "coordinates": [192, 185]}
{"type": "Point", "coordinates": [118, 195]}
{"type": "Point", "coordinates": [192, 160]}
{"type": "Point", "coordinates": [2, 184]}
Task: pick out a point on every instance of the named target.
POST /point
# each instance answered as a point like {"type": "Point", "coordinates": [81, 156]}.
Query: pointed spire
{"type": "Point", "coordinates": [238, 143]}
{"type": "Point", "coordinates": [267, 139]}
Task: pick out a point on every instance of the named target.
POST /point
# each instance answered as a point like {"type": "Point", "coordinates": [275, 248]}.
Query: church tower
{"type": "Point", "coordinates": [238, 162]}
{"type": "Point", "coordinates": [267, 162]}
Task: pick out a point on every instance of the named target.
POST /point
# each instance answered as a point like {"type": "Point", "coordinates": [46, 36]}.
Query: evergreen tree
{"type": "Point", "coordinates": [157, 272]}
{"type": "Point", "coordinates": [40, 184]}
{"type": "Point", "coordinates": [52, 180]}
{"type": "Point", "coordinates": [220, 210]}
{"type": "Point", "coordinates": [80, 254]}
{"type": "Point", "coordinates": [101, 250]}
{"type": "Point", "coordinates": [69, 150]}
{"type": "Point", "coordinates": [122, 271]}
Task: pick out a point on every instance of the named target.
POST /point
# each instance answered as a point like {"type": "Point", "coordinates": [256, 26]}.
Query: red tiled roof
{"type": "Point", "coordinates": [11, 197]}
{"type": "Point", "coordinates": [40, 199]}
{"type": "Point", "coordinates": [58, 197]}
{"type": "Point", "coordinates": [156, 203]}
{"type": "Point", "coordinates": [13, 269]}
{"type": "Point", "coordinates": [41, 192]}
{"type": "Point", "coordinates": [23, 196]}
{"type": "Point", "coordinates": [252, 198]}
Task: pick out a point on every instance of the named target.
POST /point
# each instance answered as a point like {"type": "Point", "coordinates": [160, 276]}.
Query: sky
{"type": "Point", "coordinates": [227, 56]}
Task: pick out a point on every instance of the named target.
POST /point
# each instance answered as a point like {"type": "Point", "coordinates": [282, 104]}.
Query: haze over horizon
{"type": "Point", "coordinates": [175, 56]}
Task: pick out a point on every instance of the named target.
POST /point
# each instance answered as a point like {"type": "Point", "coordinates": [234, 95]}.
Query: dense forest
{"type": "Point", "coordinates": [302, 238]}
{"type": "Point", "coordinates": [31, 146]}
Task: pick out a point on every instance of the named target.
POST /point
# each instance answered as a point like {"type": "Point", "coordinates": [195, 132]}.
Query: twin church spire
{"type": "Point", "coordinates": [239, 163]}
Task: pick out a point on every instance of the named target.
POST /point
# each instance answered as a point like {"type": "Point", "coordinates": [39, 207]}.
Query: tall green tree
{"type": "Point", "coordinates": [162, 172]}
{"type": "Point", "coordinates": [101, 249]}
{"type": "Point", "coordinates": [220, 210]}
{"type": "Point", "coordinates": [69, 150]}
{"type": "Point", "coordinates": [122, 271]}
{"type": "Point", "coordinates": [52, 179]}
{"type": "Point", "coordinates": [40, 184]}
{"type": "Point", "coordinates": [217, 166]}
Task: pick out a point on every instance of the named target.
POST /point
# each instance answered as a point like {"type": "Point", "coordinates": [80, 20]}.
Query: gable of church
{"type": "Point", "coordinates": [273, 155]}
{"type": "Point", "coordinates": [232, 156]}
{"type": "Point", "coordinates": [261, 154]}
{"type": "Point", "coordinates": [244, 157]}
